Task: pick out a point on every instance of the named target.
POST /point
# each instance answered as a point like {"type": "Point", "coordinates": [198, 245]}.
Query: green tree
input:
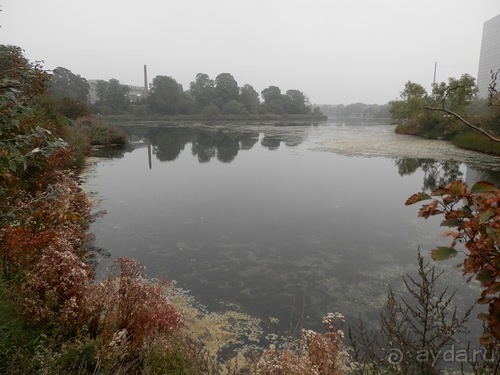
{"type": "Point", "coordinates": [65, 84]}
{"type": "Point", "coordinates": [112, 94]}
{"type": "Point", "coordinates": [273, 99]}
{"type": "Point", "coordinates": [203, 90]}
{"type": "Point", "coordinates": [250, 98]}
{"type": "Point", "coordinates": [271, 93]}
{"type": "Point", "coordinates": [457, 94]}
{"type": "Point", "coordinates": [234, 108]}
{"type": "Point", "coordinates": [412, 103]}
{"type": "Point", "coordinates": [226, 87]}
{"type": "Point", "coordinates": [295, 102]}
{"type": "Point", "coordinates": [166, 95]}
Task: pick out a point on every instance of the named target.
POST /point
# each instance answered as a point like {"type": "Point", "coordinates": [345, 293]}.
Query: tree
{"type": "Point", "coordinates": [273, 99]}
{"type": "Point", "coordinates": [272, 93]}
{"type": "Point", "coordinates": [112, 94]}
{"type": "Point", "coordinates": [295, 102]}
{"type": "Point", "coordinates": [234, 108]}
{"type": "Point", "coordinates": [165, 95]}
{"type": "Point", "coordinates": [413, 102]}
{"type": "Point", "coordinates": [65, 84]}
{"type": "Point", "coordinates": [203, 90]}
{"type": "Point", "coordinates": [250, 98]}
{"type": "Point", "coordinates": [461, 94]}
{"type": "Point", "coordinates": [11, 57]}
{"type": "Point", "coordinates": [457, 94]}
{"type": "Point", "coordinates": [226, 87]}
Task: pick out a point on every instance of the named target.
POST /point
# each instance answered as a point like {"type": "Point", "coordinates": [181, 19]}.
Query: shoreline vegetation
{"type": "Point", "coordinates": [463, 138]}
{"type": "Point", "coordinates": [56, 318]}
{"type": "Point", "coordinates": [419, 113]}
{"type": "Point", "coordinates": [267, 118]}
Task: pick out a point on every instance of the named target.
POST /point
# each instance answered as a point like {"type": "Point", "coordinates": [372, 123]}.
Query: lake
{"type": "Point", "coordinates": [284, 223]}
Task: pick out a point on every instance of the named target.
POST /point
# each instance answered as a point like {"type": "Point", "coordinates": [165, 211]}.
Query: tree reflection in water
{"type": "Point", "coordinates": [208, 143]}
{"type": "Point", "coordinates": [436, 173]}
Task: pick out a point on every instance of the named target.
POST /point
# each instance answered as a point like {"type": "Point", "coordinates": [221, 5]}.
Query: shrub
{"type": "Point", "coordinates": [315, 353]}
{"type": "Point", "coordinates": [132, 310]}
{"type": "Point", "coordinates": [234, 108]}
{"type": "Point", "coordinates": [101, 132]}
{"type": "Point", "coordinates": [474, 218]}
{"type": "Point", "coordinates": [210, 111]}
{"type": "Point", "coordinates": [414, 329]}
{"type": "Point", "coordinates": [55, 289]}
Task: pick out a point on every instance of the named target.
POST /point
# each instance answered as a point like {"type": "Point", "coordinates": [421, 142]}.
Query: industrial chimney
{"type": "Point", "coordinates": [146, 90]}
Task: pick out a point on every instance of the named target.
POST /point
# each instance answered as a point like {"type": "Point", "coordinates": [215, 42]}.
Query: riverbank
{"type": "Point", "coordinates": [455, 132]}
{"type": "Point", "coordinates": [258, 119]}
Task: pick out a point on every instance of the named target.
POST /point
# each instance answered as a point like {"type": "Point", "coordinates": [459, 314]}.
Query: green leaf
{"type": "Point", "coordinates": [467, 209]}
{"type": "Point", "coordinates": [452, 223]}
{"type": "Point", "coordinates": [486, 215]}
{"type": "Point", "coordinates": [443, 253]}
{"type": "Point", "coordinates": [483, 187]}
{"type": "Point", "coordinates": [417, 197]}
{"type": "Point", "coordinates": [492, 233]}
{"type": "Point", "coordinates": [458, 187]}
{"type": "Point", "coordinates": [485, 276]}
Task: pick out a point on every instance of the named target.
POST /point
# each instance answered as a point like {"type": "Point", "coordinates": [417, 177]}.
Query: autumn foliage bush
{"type": "Point", "coordinates": [473, 216]}
{"type": "Point", "coordinates": [127, 308]}
{"type": "Point", "coordinates": [46, 250]}
{"type": "Point", "coordinates": [315, 353]}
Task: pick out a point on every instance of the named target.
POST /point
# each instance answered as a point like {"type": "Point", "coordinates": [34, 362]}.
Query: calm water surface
{"type": "Point", "coordinates": [284, 222]}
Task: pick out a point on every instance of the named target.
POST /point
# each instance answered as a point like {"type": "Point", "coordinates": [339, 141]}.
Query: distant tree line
{"type": "Point", "coordinates": [356, 110]}
{"type": "Point", "coordinates": [205, 96]}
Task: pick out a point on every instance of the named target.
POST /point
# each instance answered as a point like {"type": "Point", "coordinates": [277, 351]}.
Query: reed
{"type": "Point", "coordinates": [476, 142]}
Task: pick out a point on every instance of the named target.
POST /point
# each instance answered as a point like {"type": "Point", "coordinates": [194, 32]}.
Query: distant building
{"type": "Point", "coordinates": [489, 58]}
{"type": "Point", "coordinates": [135, 93]}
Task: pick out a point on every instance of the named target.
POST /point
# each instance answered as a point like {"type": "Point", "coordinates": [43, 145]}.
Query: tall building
{"type": "Point", "coordinates": [489, 58]}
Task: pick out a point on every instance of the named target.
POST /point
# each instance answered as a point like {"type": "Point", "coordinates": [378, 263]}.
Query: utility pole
{"type": "Point", "coordinates": [146, 90]}
{"type": "Point", "coordinates": [435, 68]}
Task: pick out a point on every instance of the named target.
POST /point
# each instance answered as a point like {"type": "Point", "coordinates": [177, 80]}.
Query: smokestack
{"type": "Point", "coordinates": [146, 90]}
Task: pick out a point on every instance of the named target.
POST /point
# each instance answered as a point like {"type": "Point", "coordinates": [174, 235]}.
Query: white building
{"type": "Point", "coordinates": [135, 93]}
{"type": "Point", "coordinates": [489, 58]}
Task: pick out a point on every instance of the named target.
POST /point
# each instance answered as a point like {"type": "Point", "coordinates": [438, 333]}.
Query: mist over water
{"type": "Point", "coordinates": [285, 223]}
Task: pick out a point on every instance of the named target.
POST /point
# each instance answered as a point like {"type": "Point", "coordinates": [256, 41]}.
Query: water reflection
{"type": "Point", "coordinates": [436, 173]}
{"type": "Point", "coordinates": [207, 143]}
{"type": "Point", "coordinates": [442, 172]}
{"type": "Point", "coordinates": [323, 227]}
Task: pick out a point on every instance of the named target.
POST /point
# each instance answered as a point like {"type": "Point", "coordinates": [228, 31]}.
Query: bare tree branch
{"type": "Point", "coordinates": [464, 121]}
{"type": "Point", "coordinates": [493, 93]}
{"type": "Point", "coordinates": [494, 101]}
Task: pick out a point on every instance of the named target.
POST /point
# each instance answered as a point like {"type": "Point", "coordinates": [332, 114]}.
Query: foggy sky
{"type": "Point", "coordinates": [334, 51]}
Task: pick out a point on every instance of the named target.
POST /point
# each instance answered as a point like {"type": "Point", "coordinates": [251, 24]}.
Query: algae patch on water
{"type": "Point", "coordinates": [223, 334]}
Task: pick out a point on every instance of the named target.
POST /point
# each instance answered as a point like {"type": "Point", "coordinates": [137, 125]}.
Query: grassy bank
{"type": "Point", "coordinates": [476, 142]}
{"type": "Point", "coordinates": [453, 131]}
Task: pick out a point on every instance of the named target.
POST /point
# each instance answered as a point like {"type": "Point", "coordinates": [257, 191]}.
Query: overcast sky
{"type": "Point", "coordinates": [334, 51]}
